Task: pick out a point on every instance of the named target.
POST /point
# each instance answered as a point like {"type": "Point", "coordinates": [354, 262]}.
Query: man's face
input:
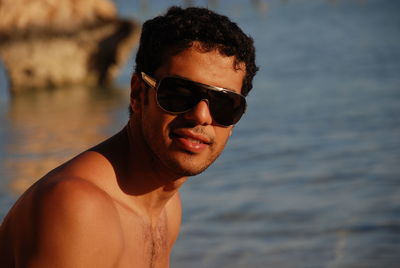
{"type": "Point", "coordinates": [188, 143]}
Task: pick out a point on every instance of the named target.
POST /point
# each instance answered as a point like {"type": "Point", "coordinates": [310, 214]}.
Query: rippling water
{"type": "Point", "coordinates": [311, 176]}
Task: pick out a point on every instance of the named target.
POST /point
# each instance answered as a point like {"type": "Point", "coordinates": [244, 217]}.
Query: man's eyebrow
{"type": "Point", "coordinates": [182, 77]}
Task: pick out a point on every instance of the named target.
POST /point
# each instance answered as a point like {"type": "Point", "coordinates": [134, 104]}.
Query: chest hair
{"type": "Point", "coordinates": [155, 241]}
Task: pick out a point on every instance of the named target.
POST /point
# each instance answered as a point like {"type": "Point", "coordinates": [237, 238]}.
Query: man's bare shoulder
{"type": "Point", "coordinates": [74, 196]}
{"type": "Point", "coordinates": [65, 222]}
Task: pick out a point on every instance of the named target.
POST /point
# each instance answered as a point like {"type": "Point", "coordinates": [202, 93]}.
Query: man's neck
{"type": "Point", "coordinates": [146, 187]}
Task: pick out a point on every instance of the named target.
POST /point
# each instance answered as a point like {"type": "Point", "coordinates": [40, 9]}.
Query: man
{"type": "Point", "coordinates": [117, 204]}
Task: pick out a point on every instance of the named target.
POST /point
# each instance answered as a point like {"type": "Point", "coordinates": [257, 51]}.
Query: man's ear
{"type": "Point", "coordinates": [136, 88]}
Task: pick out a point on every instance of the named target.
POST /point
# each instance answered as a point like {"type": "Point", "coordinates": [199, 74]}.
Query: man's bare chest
{"type": "Point", "coordinates": [145, 244]}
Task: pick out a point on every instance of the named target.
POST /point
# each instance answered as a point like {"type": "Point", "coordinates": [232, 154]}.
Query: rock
{"type": "Point", "coordinates": [17, 15]}
{"type": "Point", "coordinates": [52, 43]}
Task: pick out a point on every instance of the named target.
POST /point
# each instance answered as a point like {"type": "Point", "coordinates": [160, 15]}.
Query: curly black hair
{"type": "Point", "coordinates": [176, 31]}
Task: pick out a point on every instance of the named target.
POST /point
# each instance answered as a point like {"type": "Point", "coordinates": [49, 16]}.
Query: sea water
{"type": "Point", "coordinates": [311, 175]}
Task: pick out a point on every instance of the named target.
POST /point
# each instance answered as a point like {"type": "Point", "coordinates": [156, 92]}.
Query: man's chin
{"type": "Point", "coordinates": [188, 172]}
{"type": "Point", "coordinates": [186, 168]}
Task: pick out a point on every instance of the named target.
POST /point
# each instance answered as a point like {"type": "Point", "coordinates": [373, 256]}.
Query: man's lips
{"type": "Point", "coordinates": [190, 141]}
{"type": "Point", "coordinates": [192, 135]}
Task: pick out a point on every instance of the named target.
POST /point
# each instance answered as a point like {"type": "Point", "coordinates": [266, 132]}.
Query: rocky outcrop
{"type": "Point", "coordinates": [52, 43]}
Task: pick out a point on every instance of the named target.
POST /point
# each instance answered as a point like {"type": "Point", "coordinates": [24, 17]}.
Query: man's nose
{"type": "Point", "coordinates": [200, 114]}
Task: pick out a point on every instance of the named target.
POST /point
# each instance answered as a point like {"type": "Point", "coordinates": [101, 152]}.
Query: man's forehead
{"type": "Point", "coordinates": [202, 48]}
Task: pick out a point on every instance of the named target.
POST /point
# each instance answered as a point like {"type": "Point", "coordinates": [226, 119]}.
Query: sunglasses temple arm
{"type": "Point", "coordinates": [149, 80]}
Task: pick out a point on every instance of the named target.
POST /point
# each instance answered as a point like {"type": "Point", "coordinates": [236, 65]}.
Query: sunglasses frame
{"type": "Point", "coordinates": [155, 84]}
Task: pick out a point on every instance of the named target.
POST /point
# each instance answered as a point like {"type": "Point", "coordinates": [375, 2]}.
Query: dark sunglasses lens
{"type": "Point", "coordinates": [173, 95]}
{"type": "Point", "coordinates": [177, 95]}
{"type": "Point", "coordinates": [227, 108]}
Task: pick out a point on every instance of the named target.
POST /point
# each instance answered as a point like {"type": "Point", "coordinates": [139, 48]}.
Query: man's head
{"type": "Point", "coordinates": [199, 63]}
{"type": "Point", "coordinates": [179, 28]}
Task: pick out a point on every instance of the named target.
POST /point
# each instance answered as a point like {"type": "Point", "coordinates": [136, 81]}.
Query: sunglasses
{"type": "Point", "coordinates": [177, 95]}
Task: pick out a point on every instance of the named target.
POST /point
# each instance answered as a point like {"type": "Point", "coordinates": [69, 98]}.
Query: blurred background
{"type": "Point", "coordinates": [311, 176]}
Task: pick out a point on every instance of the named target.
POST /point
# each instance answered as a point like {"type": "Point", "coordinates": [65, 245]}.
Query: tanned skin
{"type": "Point", "coordinates": [117, 204]}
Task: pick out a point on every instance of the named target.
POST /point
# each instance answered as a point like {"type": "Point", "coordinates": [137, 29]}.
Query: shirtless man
{"type": "Point", "coordinates": [117, 204]}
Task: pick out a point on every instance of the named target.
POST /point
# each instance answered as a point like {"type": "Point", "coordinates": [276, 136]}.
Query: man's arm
{"type": "Point", "coordinates": [75, 224]}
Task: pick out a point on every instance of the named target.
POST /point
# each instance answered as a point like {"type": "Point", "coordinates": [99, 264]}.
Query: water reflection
{"type": "Point", "coordinates": [4, 92]}
{"type": "Point", "coordinates": [48, 127]}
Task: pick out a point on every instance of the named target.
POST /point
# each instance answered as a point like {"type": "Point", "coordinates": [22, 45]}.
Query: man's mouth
{"type": "Point", "coordinates": [190, 141]}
